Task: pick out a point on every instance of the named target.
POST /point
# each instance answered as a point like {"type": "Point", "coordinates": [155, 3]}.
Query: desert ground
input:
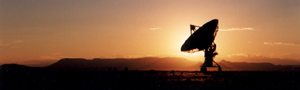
{"type": "Point", "coordinates": [28, 78]}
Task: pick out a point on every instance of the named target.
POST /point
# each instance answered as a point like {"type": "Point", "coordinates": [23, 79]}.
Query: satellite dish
{"type": "Point", "coordinates": [203, 40]}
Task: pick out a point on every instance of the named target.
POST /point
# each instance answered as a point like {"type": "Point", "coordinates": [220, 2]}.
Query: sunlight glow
{"type": "Point", "coordinates": [194, 54]}
{"type": "Point", "coordinates": [106, 28]}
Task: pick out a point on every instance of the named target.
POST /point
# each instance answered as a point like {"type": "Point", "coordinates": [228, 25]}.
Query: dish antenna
{"type": "Point", "coordinates": [203, 40]}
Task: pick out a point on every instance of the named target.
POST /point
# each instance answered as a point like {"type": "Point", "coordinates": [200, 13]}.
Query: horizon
{"type": "Point", "coordinates": [147, 64]}
{"type": "Point", "coordinates": [249, 31]}
{"type": "Point", "coordinates": [45, 63]}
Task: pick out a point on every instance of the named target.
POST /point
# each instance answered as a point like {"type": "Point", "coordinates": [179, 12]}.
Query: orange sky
{"type": "Point", "coordinates": [54, 29]}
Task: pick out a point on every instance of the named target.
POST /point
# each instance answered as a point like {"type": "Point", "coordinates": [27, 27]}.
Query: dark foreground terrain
{"type": "Point", "coordinates": [28, 78]}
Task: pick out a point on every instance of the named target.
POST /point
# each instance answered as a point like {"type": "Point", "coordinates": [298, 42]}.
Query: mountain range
{"type": "Point", "coordinates": [155, 63]}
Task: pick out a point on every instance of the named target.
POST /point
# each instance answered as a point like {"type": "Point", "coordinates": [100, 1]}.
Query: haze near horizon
{"type": "Point", "coordinates": [251, 31]}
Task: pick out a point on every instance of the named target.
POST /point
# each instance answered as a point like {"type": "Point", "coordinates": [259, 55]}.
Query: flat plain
{"type": "Point", "coordinates": [28, 78]}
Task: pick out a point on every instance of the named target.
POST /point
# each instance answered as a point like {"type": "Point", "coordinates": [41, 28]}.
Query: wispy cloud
{"type": "Point", "coordinates": [281, 43]}
{"type": "Point", "coordinates": [236, 29]}
{"type": "Point", "coordinates": [11, 44]}
{"type": "Point", "coordinates": [238, 54]}
{"type": "Point", "coordinates": [19, 41]}
{"type": "Point", "coordinates": [53, 56]}
{"type": "Point", "coordinates": [4, 44]}
{"type": "Point", "coordinates": [156, 28]}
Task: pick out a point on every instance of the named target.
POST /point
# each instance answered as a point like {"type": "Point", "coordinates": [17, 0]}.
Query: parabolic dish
{"type": "Point", "coordinates": [201, 38]}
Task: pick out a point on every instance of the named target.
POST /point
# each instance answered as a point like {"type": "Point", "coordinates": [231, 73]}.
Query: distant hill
{"type": "Point", "coordinates": [246, 66]}
{"type": "Point", "coordinates": [155, 63]}
{"type": "Point", "coordinates": [147, 63]}
{"type": "Point", "coordinates": [152, 63]}
{"type": "Point", "coordinates": [13, 66]}
{"type": "Point", "coordinates": [16, 68]}
{"type": "Point", "coordinates": [227, 65]}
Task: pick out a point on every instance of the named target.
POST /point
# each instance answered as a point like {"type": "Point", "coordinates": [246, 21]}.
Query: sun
{"type": "Point", "coordinates": [199, 53]}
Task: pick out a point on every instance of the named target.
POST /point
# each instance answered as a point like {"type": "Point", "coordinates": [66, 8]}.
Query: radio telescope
{"type": "Point", "coordinates": [202, 39]}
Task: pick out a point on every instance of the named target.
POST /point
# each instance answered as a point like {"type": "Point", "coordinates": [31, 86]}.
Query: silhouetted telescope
{"type": "Point", "coordinates": [203, 40]}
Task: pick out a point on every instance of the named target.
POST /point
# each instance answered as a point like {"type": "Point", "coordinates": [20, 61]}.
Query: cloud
{"type": "Point", "coordinates": [49, 58]}
{"type": "Point", "coordinates": [19, 41]}
{"type": "Point", "coordinates": [238, 54]}
{"type": "Point", "coordinates": [156, 28]}
{"type": "Point", "coordinates": [53, 56]}
{"type": "Point", "coordinates": [11, 44]}
{"type": "Point", "coordinates": [236, 29]}
{"type": "Point", "coordinates": [4, 44]}
{"type": "Point", "coordinates": [281, 43]}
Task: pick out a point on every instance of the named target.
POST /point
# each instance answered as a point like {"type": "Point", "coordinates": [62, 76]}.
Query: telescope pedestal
{"type": "Point", "coordinates": [209, 58]}
{"type": "Point", "coordinates": [204, 67]}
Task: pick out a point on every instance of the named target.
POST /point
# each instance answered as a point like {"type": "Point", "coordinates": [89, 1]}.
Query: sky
{"type": "Point", "coordinates": [40, 30]}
